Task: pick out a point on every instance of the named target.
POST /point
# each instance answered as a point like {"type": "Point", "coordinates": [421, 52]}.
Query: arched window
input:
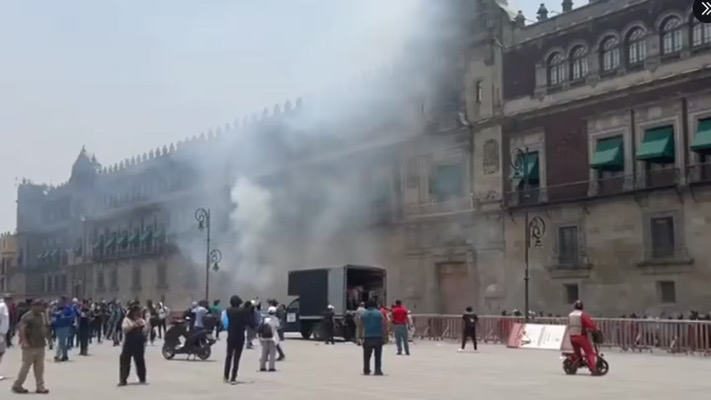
{"type": "Point", "coordinates": [610, 53]}
{"type": "Point", "coordinates": [556, 69]}
{"type": "Point", "coordinates": [636, 46]}
{"type": "Point", "coordinates": [671, 35]}
{"type": "Point", "coordinates": [700, 33]}
{"type": "Point", "coordinates": [579, 62]}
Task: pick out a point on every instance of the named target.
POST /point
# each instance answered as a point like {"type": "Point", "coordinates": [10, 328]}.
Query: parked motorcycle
{"type": "Point", "coordinates": [196, 343]}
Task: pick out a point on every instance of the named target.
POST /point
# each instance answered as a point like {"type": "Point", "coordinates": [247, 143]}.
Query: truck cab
{"type": "Point", "coordinates": [343, 287]}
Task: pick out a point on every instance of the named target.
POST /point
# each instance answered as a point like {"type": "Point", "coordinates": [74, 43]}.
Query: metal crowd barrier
{"type": "Point", "coordinates": [642, 335]}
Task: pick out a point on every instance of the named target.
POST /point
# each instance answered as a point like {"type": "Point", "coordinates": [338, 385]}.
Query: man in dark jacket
{"type": "Point", "coordinates": [235, 321]}
{"type": "Point", "coordinates": [469, 321]}
{"type": "Point", "coordinates": [329, 325]}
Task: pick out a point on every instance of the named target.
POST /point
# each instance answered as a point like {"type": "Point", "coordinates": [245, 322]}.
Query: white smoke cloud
{"type": "Point", "coordinates": [252, 219]}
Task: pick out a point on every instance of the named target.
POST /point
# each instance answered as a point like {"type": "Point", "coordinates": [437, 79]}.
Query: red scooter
{"type": "Point", "coordinates": [571, 363]}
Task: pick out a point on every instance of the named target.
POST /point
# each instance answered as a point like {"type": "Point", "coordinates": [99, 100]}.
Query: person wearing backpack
{"type": "Point", "coordinates": [470, 321]}
{"type": "Point", "coordinates": [269, 339]}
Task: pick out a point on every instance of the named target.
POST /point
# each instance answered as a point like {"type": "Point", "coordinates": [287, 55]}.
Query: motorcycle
{"type": "Point", "coordinates": [196, 344]}
{"type": "Point", "coordinates": [571, 363]}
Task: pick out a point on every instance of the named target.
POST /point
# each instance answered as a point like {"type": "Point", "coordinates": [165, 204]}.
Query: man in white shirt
{"type": "Point", "coordinates": [4, 326]}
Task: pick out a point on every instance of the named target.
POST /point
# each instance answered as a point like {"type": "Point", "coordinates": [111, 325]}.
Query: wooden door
{"type": "Point", "coordinates": [453, 287]}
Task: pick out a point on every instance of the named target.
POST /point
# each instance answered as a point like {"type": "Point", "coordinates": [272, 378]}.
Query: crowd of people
{"type": "Point", "coordinates": [63, 325]}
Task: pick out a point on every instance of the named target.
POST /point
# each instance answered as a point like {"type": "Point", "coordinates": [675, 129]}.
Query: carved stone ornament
{"type": "Point", "coordinates": [491, 157]}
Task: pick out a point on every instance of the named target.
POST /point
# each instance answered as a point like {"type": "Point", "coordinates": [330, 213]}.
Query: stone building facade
{"type": "Point", "coordinates": [605, 102]}
{"type": "Point", "coordinates": [9, 280]}
{"type": "Point", "coordinates": [606, 107]}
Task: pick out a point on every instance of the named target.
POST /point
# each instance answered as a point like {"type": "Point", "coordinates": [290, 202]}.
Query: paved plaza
{"type": "Point", "coordinates": [434, 371]}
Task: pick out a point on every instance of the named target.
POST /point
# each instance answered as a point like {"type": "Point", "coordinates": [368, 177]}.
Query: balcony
{"type": "Point", "coordinates": [657, 178]}
{"type": "Point", "coordinates": [452, 205]}
{"type": "Point", "coordinates": [665, 257]}
{"type": "Point", "coordinates": [699, 173]}
{"type": "Point", "coordinates": [130, 252]}
{"type": "Point", "coordinates": [522, 197]}
{"type": "Point", "coordinates": [568, 263]}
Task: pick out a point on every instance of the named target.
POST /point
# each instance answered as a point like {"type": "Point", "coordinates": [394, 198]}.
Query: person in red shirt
{"type": "Point", "coordinates": [579, 325]}
{"type": "Point", "coordinates": [400, 321]}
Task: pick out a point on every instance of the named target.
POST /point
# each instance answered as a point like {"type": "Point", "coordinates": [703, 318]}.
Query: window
{"type": "Point", "coordinates": [572, 293]}
{"type": "Point", "coordinates": [666, 292]}
{"type": "Point", "coordinates": [447, 182]}
{"type": "Point", "coordinates": [700, 33]}
{"type": "Point", "coordinates": [479, 90]}
{"type": "Point", "coordinates": [636, 46]}
{"type": "Point", "coordinates": [568, 245]}
{"type": "Point", "coordinates": [610, 54]}
{"type": "Point", "coordinates": [113, 279]}
{"type": "Point", "coordinates": [136, 277]}
{"type": "Point", "coordinates": [579, 62]}
{"type": "Point", "coordinates": [662, 235]}
{"type": "Point", "coordinates": [671, 35]}
{"type": "Point", "coordinates": [100, 282]}
{"type": "Point", "coordinates": [162, 274]}
{"type": "Point", "coordinates": [556, 69]}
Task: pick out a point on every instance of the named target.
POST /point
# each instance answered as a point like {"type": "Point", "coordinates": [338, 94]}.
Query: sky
{"type": "Point", "coordinates": [122, 77]}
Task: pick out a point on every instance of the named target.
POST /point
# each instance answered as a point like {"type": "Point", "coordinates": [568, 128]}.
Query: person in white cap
{"type": "Point", "coordinates": [269, 339]}
{"type": "Point", "coordinates": [329, 325]}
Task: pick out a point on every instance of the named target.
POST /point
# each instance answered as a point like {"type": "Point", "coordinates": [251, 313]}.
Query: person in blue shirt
{"type": "Point", "coordinates": [63, 319]}
{"type": "Point", "coordinates": [372, 321]}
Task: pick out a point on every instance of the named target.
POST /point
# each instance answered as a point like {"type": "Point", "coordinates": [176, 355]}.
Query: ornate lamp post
{"type": "Point", "coordinates": [212, 256]}
{"type": "Point", "coordinates": [535, 228]}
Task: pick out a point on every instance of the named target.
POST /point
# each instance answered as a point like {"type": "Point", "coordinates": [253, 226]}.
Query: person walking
{"type": "Point", "coordinates": [470, 321]}
{"type": "Point", "coordinates": [269, 339]}
{"type": "Point", "coordinates": [373, 330]}
{"type": "Point", "coordinates": [134, 345]}
{"type": "Point", "coordinates": [329, 325]}
{"type": "Point", "coordinates": [235, 319]}
{"type": "Point", "coordinates": [4, 327]}
{"type": "Point", "coordinates": [359, 323]}
{"type": "Point", "coordinates": [400, 320]}
{"type": "Point", "coordinates": [33, 334]}
{"type": "Point", "coordinates": [63, 319]}
{"type": "Point", "coordinates": [84, 328]}
{"type": "Point", "coordinates": [162, 315]}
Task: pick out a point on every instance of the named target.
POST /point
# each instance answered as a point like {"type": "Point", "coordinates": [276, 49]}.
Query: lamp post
{"type": "Point", "coordinates": [534, 228]}
{"type": "Point", "coordinates": [212, 256]}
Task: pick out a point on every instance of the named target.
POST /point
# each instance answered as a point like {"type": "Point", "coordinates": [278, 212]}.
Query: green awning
{"type": "Point", "coordinates": [528, 166]}
{"type": "Point", "coordinates": [702, 138]}
{"type": "Point", "coordinates": [657, 146]}
{"type": "Point", "coordinates": [110, 243]}
{"type": "Point", "coordinates": [41, 256]}
{"type": "Point", "coordinates": [99, 243]}
{"type": "Point", "coordinates": [160, 235]}
{"type": "Point", "coordinates": [147, 236]}
{"type": "Point", "coordinates": [134, 239]}
{"type": "Point", "coordinates": [609, 155]}
{"type": "Point", "coordinates": [123, 240]}
{"type": "Point", "coordinates": [447, 181]}
{"type": "Point", "coordinates": [54, 253]}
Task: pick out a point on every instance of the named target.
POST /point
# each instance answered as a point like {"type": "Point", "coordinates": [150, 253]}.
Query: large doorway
{"type": "Point", "coordinates": [455, 291]}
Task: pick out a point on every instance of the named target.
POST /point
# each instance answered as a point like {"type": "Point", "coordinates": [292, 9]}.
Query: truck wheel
{"type": "Point", "coordinates": [306, 332]}
{"type": "Point", "coordinates": [317, 331]}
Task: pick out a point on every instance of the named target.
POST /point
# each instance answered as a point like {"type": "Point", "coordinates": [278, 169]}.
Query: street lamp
{"type": "Point", "coordinates": [534, 228]}
{"type": "Point", "coordinates": [212, 256]}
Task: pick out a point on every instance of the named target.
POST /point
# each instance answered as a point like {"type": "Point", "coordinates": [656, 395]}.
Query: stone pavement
{"type": "Point", "coordinates": [434, 371]}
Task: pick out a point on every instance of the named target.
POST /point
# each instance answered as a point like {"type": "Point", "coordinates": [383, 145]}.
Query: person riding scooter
{"type": "Point", "coordinates": [579, 326]}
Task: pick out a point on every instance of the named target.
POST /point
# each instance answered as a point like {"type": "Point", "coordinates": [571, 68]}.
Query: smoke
{"type": "Point", "coordinates": [306, 187]}
{"type": "Point", "coordinates": [252, 218]}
